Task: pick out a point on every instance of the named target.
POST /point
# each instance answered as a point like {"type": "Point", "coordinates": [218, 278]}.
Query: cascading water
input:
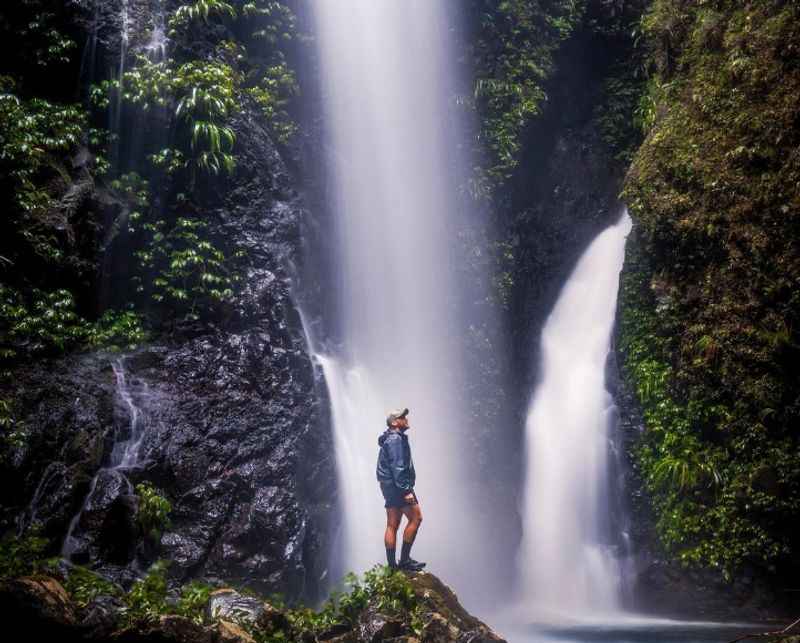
{"type": "Point", "coordinates": [156, 47]}
{"type": "Point", "coordinates": [566, 559]}
{"type": "Point", "coordinates": [385, 86]}
{"type": "Point", "coordinates": [125, 454]}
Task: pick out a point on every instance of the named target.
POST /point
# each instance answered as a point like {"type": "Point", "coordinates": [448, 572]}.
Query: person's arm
{"type": "Point", "coordinates": [398, 465]}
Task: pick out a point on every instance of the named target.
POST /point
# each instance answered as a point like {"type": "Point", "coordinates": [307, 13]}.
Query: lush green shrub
{"type": "Point", "coordinates": [196, 10]}
{"type": "Point", "coordinates": [388, 590]}
{"type": "Point", "coordinates": [36, 134]}
{"type": "Point", "coordinates": [276, 89]}
{"type": "Point", "coordinates": [49, 324]}
{"type": "Point", "coordinates": [712, 322]}
{"type": "Point", "coordinates": [193, 601]}
{"type": "Point", "coordinates": [152, 512]}
{"type": "Point", "coordinates": [512, 52]}
{"type": "Point", "coordinates": [147, 598]}
{"type": "Point", "coordinates": [20, 556]}
{"type": "Point", "coordinates": [183, 268]}
{"type": "Point", "coordinates": [83, 586]}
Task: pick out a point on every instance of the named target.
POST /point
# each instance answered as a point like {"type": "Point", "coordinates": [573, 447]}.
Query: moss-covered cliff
{"type": "Point", "coordinates": [710, 310]}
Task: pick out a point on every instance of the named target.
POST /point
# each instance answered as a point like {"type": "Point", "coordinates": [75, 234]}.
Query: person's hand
{"type": "Point", "coordinates": [409, 498]}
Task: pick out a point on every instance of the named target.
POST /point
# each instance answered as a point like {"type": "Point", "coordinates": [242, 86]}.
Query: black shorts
{"type": "Point", "coordinates": [394, 496]}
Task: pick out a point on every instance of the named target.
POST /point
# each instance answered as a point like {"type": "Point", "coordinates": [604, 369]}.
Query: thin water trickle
{"type": "Point", "coordinates": [156, 47]}
{"type": "Point", "coordinates": [126, 451]}
{"type": "Point", "coordinates": [568, 563]}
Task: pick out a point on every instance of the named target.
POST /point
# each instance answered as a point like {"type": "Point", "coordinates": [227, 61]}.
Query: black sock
{"type": "Point", "coordinates": [390, 557]}
{"type": "Point", "coordinates": [405, 552]}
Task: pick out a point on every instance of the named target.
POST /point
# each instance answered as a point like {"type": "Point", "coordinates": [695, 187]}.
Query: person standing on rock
{"type": "Point", "coordinates": [396, 475]}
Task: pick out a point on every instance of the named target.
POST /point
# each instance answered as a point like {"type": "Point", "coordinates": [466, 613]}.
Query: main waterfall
{"type": "Point", "coordinates": [385, 87]}
{"type": "Point", "coordinates": [566, 561]}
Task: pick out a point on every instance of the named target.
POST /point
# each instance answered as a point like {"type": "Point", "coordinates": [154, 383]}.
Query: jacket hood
{"type": "Point", "coordinates": [385, 435]}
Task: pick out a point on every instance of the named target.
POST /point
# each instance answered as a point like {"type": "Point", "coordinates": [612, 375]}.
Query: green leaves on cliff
{"type": "Point", "coordinates": [512, 54]}
{"type": "Point", "coordinates": [34, 135]}
{"type": "Point", "coordinates": [153, 510]}
{"type": "Point", "coordinates": [184, 268]}
{"type": "Point", "coordinates": [200, 10]}
{"type": "Point", "coordinates": [389, 591]}
{"type": "Point", "coordinates": [203, 95]}
{"type": "Point", "coordinates": [715, 192]}
{"type": "Point", "coordinates": [22, 555]}
{"type": "Point", "coordinates": [46, 323]}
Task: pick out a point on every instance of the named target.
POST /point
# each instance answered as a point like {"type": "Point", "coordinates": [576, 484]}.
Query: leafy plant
{"type": "Point", "coordinates": [199, 10]}
{"type": "Point", "coordinates": [513, 55]}
{"type": "Point", "coordinates": [23, 555]}
{"type": "Point", "coordinates": [278, 86]}
{"type": "Point", "coordinates": [84, 585]}
{"type": "Point", "coordinates": [34, 132]}
{"type": "Point", "coordinates": [193, 600]}
{"type": "Point", "coordinates": [147, 599]}
{"type": "Point", "coordinates": [188, 271]}
{"type": "Point", "coordinates": [152, 512]}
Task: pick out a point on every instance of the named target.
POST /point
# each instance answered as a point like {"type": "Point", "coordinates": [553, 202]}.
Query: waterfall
{"type": "Point", "coordinates": [567, 562]}
{"type": "Point", "coordinates": [385, 84]}
{"type": "Point", "coordinates": [125, 453]}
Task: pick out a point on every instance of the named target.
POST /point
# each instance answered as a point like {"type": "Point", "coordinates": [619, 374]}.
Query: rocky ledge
{"type": "Point", "coordinates": [412, 608]}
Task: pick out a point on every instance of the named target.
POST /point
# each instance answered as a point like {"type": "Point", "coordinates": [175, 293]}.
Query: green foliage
{"type": "Point", "coordinates": [513, 56]}
{"type": "Point", "coordinates": [24, 555]}
{"type": "Point", "coordinates": [117, 330]}
{"type": "Point", "coordinates": [274, 22]}
{"type": "Point", "coordinates": [147, 599]}
{"type": "Point", "coordinates": [720, 495]}
{"type": "Point", "coordinates": [204, 94]}
{"type": "Point", "coordinates": [37, 23]}
{"type": "Point", "coordinates": [84, 585]}
{"type": "Point", "coordinates": [183, 268]}
{"type": "Point", "coordinates": [388, 590]}
{"type": "Point", "coordinates": [714, 190]}
{"type": "Point", "coordinates": [12, 432]}
{"type": "Point", "coordinates": [49, 324]}
{"type": "Point", "coordinates": [32, 134]}
{"type": "Point", "coordinates": [277, 87]}
{"type": "Point", "coordinates": [206, 98]}
{"type": "Point", "coordinates": [619, 114]}
{"type": "Point", "coordinates": [193, 601]}
{"type": "Point", "coordinates": [152, 512]}
{"type": "Point", "coordinates": [197, 10]}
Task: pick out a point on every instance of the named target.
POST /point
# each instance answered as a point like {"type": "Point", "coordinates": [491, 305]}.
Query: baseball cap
{"type": "Point", "coordinates": [396, 414]}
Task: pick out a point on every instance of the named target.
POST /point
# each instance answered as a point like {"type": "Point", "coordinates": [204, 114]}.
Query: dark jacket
{"type": "Point", "coordinates": [395, 465]}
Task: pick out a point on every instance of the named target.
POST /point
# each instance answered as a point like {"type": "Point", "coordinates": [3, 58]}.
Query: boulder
{"type": "Point", "coordinates": [39, 607]}
{"type": "Point", "coordinates": [228, 632]}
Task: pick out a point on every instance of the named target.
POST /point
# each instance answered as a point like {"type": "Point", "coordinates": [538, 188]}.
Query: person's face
{"type": "Point", "coordinates": [402, 423]}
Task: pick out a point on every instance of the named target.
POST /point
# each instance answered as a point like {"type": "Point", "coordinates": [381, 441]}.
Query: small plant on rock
{"type": "Point", "coordinates": [153, 512]}
{"type": "Point", "coordinates": [147, 599]}
{"type": "Point", "coordinates": [22, 555]}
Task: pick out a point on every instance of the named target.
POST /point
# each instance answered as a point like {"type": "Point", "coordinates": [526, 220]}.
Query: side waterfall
{"type": "Point", "coordinates": [125, 453]}
{"type": "Point", "coordinates": [385, 85]}
{"type": "Point", "coordinates": [566, 559]}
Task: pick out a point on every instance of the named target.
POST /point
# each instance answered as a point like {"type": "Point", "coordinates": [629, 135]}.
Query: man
{"type": "Point", "coordinates": [395, 472]}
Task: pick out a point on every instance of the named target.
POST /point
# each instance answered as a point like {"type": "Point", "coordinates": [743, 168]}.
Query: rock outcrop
{"type": "Point", "coordinates": [42, 604]}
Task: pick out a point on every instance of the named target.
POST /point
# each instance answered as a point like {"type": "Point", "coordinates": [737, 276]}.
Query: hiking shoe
{"type": "Point", "coordinates": [411, 565]}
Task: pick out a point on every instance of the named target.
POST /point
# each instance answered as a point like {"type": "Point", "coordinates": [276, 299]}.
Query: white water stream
{"type": "Point", "coordinates": [567, 564]}
{"type": "Point", "coordinates": [125, 454]}
{"type": "Point", "coordinates": [384, 78]}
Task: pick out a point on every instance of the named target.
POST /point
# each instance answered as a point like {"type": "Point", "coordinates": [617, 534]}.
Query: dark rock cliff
{"type": "Point", "coordinates": [231, 408]}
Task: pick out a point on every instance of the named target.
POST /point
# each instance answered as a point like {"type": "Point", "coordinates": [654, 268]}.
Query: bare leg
{"type": "Point", "coordinates": [393, 516]}
{"type": "Point", "coordinates": [414, 515]}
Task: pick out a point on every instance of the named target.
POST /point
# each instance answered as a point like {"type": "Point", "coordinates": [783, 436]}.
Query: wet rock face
{"type": "Point", "coordinates": [230, 410]}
